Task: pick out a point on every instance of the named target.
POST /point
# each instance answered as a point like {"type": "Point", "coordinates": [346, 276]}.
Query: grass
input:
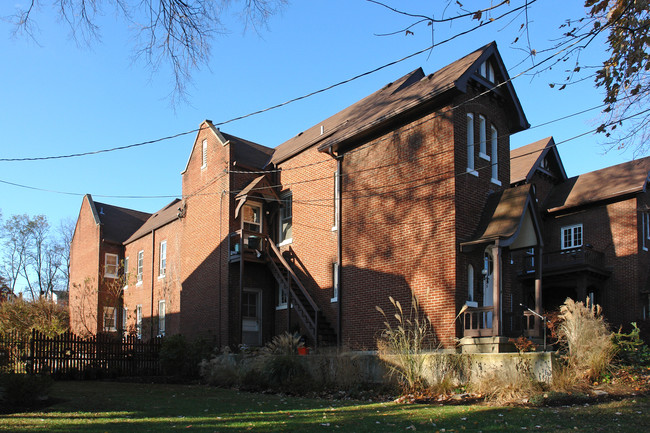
{"type": "Point", "coordinates": [127, 407]}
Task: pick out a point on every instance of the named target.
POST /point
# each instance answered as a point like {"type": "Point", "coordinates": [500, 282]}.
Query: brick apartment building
{"type": "Point", "coordinates": [408, 193]}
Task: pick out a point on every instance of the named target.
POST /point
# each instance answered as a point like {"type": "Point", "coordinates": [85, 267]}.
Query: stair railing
{"type": "Point", "coordinates": [310, 322]}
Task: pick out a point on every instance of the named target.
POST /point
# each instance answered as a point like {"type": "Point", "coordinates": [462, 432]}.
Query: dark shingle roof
{"type": "Point", "coordinates": [526, 159]}
{"type": "Point", "coordinates": [248, 153]}
{"type": "Point", "coordinates": [398, 98]}
{"type": "Point", "coordinates": [607, 183]}
{"type": "Point", "coordinates": [164, 216]}
{"type": "Point", "coordinates": [118, 223]}
{"type": "Point", "coordinates": [502, 215]}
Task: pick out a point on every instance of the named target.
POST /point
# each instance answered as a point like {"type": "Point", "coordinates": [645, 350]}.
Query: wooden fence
{"type": "Point", "coordinates": [68, 355]}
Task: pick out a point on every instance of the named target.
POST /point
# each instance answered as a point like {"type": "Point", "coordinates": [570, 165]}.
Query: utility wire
{"type": "Point", "coordinates": [273, 107]}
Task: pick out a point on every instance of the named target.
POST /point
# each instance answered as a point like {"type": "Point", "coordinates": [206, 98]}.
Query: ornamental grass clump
{"type": "Point", "coordinates": [585, 340]}
{"type": "Point", "coordinates": [400, 345]}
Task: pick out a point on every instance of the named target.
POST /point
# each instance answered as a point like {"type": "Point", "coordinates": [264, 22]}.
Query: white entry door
{"type": "Point", "coordinates": [252, 317]}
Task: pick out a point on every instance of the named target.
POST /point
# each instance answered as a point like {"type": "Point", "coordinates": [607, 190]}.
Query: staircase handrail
{"type": "Point", "coordinates": [294, 277]}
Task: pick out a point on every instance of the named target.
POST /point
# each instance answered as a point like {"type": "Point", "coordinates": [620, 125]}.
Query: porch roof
{"type": "Point", "coordinates": [510, 217]}
{"type": "Point", "coordinates": [261, 186]}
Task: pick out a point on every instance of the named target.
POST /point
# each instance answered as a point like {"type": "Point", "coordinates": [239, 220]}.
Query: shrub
{"type": "Point", "coordinates": [286, 373]}
{"type": "Point", "coordinates": [631, 348]}
{"type": "Point", "coordinates": [401, 346]}
{"type": "Point", "coordinates": [22, 316]}
{"type": "Point", "coordinates": [284, 344]}
{"type": "Point", "coordinates": [180, 357]}
{"type": "Point", "coordinates": [585, 339]}
{"type": "Point", "coordinates": [24, 389]}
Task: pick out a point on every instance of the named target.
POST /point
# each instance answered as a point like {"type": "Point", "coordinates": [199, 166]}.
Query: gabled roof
{"type": "Point", "coordinates": [245, 152]}
{"type": "Point", "coordinates": [400, 98]}
{"type": "Point", "coordinates": [164, 216]}
{"type": "Point", "coordinates": [509, 217]}
{"type": "Point", "coordinates": [118, 223]}
{"type": "Point", "coordinates": [525, 160]}
{"type": "Point", "coordinates": [259, 186]}
{"type": "Point", "coordinates": [249, 154]}
{"type": "Point", "coordinates": [605, 184]}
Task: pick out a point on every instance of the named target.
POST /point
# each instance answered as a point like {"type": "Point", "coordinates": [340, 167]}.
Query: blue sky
{"type": "Point", "coordinates": [58, 98]}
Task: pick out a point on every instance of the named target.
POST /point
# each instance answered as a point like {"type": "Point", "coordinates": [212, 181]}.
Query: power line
{"type": "Point", "coordinates": [273, 107]}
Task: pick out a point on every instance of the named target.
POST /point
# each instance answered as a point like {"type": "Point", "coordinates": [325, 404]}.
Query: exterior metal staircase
{"type": "Point", "coordinates": [299, 299]}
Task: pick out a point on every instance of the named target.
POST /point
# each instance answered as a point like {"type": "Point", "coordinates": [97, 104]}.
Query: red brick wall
{"type": "Point", "coordinates": [155, 287]}
{"type": "Point", "coordinates": [310, 177]}
{"type": "Point", "coordinates": [204, 268]}
{"type": "Point", "coordinates": [612, 229]}
{"type": "Point", "coordinates": [84, 273]}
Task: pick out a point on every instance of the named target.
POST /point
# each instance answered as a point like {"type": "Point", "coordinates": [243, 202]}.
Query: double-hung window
{"type": "Point", "coordinates": [495, 155]}
{"type": "Point", "coordinates": [571, 236]}
{"type": "Point", "coordinates": [282, 297]}
{"type": "Point", "coordinates": [138, 320]}
{"type": "Point", "coordinates": [109, 319]}
{"type": "Point", "coordinates": [252, 215]}
{"type": "Point", "coordinates": [482, 133]}
{"type": "Point", "coordinates": [335, 282]}
{"type": "Point", "coordinates": [470, 144]}
{"type": "Point", "coordinates": [286, 218]}
{"type": "Point", "coordinates": [126, 272]}
{"type": "Point", "coordinates": [110, 265]}
{"type": "Point", "coordinates": [161, 317]}
{"type": "Point", "coordinates": [163, 259]}
{"type": "Point", "coordinates": [140, 266]}
{"type": "Point", "coordinates": [125, 319]}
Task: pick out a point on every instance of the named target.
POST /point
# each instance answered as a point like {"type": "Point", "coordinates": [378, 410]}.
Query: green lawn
{"type": "Point", "coordinates": [124, 407]}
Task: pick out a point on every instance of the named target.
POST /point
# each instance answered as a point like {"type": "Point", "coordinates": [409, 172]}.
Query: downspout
{"type": "Point", "coordinates": [153, 264]}
{"type": "Point", "coordinates": [339, 248]}
{"type": "Point", "coordinates": [219, 328]}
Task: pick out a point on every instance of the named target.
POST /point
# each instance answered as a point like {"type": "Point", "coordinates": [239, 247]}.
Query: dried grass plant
{"type": "Point", "coordinates": [401, 344]}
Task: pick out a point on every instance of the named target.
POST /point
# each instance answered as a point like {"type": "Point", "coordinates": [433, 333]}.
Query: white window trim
{"type": "Point", "coordinates": [284, 197]}
{"type": "Point", "coordinates": [125, 319]}
{"type": "Point", "coordinates": [279, 304]}
{"type": "Point", "coordinates": [482, 131]}
{"type": "Point", "coordinates": [494, 141]}
{"type": "Point", "coordinates": [257, 206]}
{"type": "Point", "coordinates": [204, 154]}
{"type": "Point", "coordinates": [571, 227]}
{"type": "Point", "coordinates": [117, 265]}
{"type": "Point", "coordinates": [470, 144]}
{"type": "Point", "coordinates": [126, 272]}
{"type": "Point", "coordinates": [140, 268]}
{"type": "Point", "coordinates": [162, 271]}
{"type": "Point", "coordinates": [162, 308]}
{"type": "Point", "coordinates": [138, 320]}
{"type": "Point", "coordinates": [113, 326]}
{"type": "Point", "coordinates": [335, 282]}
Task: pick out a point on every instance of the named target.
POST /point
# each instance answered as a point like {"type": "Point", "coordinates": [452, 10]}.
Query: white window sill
{"type": "Point", "coordinates": [484, 156]}
{"type": "Point", "coordinates": [281, 307]}
{"type": "Point", "coordinates": [472, 172]}
{"type": "Point", "coordinates": [495, 181]}
{"type": "Point", "coordinates": [334, 228]}
{"type": "Point", "coordinates": [645, 248]}
{"type": "Point", "coordinates": [161, 277]}
{"type": "Point", "coordinates": [334, 300]}
{"type": "Point", "coordinates": [110, 276]}
{"type": "Point", "coordinates": [471, 304]}
{"type": "Point", "coordinates": [139, 283]}
{"type": "Point", "coordinates": [286, 242]}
